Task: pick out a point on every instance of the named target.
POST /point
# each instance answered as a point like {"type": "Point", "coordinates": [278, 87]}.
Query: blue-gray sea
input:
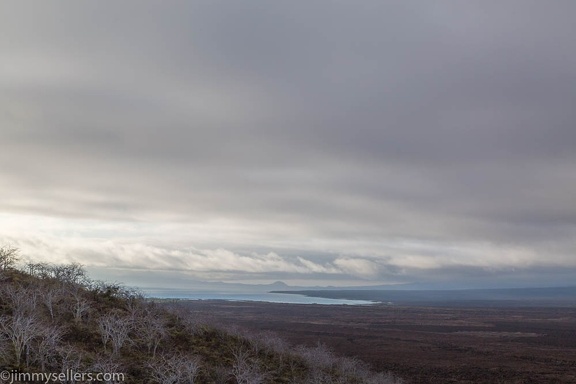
{"type": "Point", "coordinates": [262, 297]}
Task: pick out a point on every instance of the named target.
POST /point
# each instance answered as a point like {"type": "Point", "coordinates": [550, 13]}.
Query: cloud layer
{"type": "Point", "coordinates": [384, 142]}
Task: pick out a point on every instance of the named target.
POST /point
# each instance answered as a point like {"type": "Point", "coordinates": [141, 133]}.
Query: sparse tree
{"type": "Point", "coordinates": [80, 304]}
{"type": "Point", "coordinates": [22, 300]}
{"type": "Point", "coordinates": [8, 257]}
{"type": "Point", "coordinates": [321, 362]}
{"type": "Point", "coordinates": [319, 356]}
{"type": "Point", "coordinates": [44, 349]}
{"type": "Point", "coordinates": [103, 288]}
{"type": "Point", "coordinates": [151, 329]}
{"type": "Point", "coordinates": [73, 273]}
{"type": "Point", "coordinates": [5, 346]}
{"type": "Point", "coordinates": [20, 330]}
{"type": "Point", "coordinates": [133, 299]}
{"type": "Point", "coordinates": [50, 295]}
{"type": "Point", "coordinates": [246, 370]}
{"type": "Point", "coordinates": [271, 342]}
{"type": "Point", "coordinates": [351, 367]}
{"type": "Point", "coordinates": [175, 369]}
{"type": "Point", "coordinates": [40, 270]}
{"type": "Point", "coordinates": [81, 307]}
{"type": "Point", "coordinates": [70, 359]}
{"type": "Point", "coordinates": [319, 376]}
{"type": "Point", "coordinates": [109, 367]}
{"type": "Point", "coordinates": [115, 329]}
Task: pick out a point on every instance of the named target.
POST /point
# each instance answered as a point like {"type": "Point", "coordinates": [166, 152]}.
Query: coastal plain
{"type": "Point", "coordinates": [423, 344]}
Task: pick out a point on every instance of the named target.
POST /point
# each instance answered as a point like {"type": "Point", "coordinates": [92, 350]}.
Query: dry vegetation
{"type": "Point", "coordinates": [424, 345]}
{"type": "Point", "coordinates": [54, 318]}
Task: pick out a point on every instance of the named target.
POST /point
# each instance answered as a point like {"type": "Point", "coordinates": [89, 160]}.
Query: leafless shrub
{"type": "Point", "coordinates": [96, 286]}
{"type": "Point", "coordinates": [151, 329]}
{"type": "Point", "coordinates": [133, 300]}
{"type": "Point", "coordinates": [272, 342]}
{"type": "Point", "coordinates": [351, 367]}
{"type": "Point", "coordinates": [103, 288]}
{"type": "Point", "coordinates": [320, 376]}
{"type": "Point", "coordinates": [73, 298]}
{"type": "Point", "coordinates": [5, 346]}
{"type": "Point", "coordinates": [108, 366]}
{"type": "Point", "coordinates": [79, 304]}
{"type": "Point", "coordinates": [70, 359]}
{"type": "Point", "coordinates": [43, 349]}
{"type": "Point", "coordinates": [319, 356]}
{"type": "Point", "coordinates": [20, 330]}
{"type": "Point", "coordinates": [233, 330]}
{"type": "Point", "coordinates": [8, 257]}
{"type": "Point", "coordinates": [40, 270]}
{"type": "Point", "coordinates": [73, 273]}
{"type": "Point", "coordinates": [22, 300]}
{"type": "Point", "coordinates": [114, 328]}
{"type": "Point", "coordinates": [50, 295]}
{"type": "Point", "coordinates": [81, 307]}
{"type": "Point", "coordinates": [245, 369]}
{"type": "Point", "coordinates": [175, 369]}
{"type": "Point", "coordinates": [294, 367]}
{"type": "Point", "coordinates": [193, 323]}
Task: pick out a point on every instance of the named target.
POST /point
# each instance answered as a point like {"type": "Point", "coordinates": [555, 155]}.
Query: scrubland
{"type": "Point", "coordinates": [55, 319]}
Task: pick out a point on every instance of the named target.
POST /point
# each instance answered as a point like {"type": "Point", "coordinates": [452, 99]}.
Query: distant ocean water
{"type": "Point", "coordinates": [262, 297]}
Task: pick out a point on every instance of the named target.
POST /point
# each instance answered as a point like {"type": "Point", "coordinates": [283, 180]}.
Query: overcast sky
{"type": "Point", "coordinates": [313, 142]}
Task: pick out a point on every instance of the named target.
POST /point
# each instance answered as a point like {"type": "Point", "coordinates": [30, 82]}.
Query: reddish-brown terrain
{"type": "Point", "coordinates": [425, 344]}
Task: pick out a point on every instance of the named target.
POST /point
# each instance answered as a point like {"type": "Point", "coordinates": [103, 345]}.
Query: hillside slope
{"type": "Point", "coordinates": [54, 319]}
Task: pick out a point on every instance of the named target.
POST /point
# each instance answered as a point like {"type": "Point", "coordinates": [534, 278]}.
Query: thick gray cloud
{"type": "Point", "coordinates": [340, 133]}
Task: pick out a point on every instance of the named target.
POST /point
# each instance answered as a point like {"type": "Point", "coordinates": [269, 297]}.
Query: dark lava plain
{"type": "Point", "coordinates": [423, 344]}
